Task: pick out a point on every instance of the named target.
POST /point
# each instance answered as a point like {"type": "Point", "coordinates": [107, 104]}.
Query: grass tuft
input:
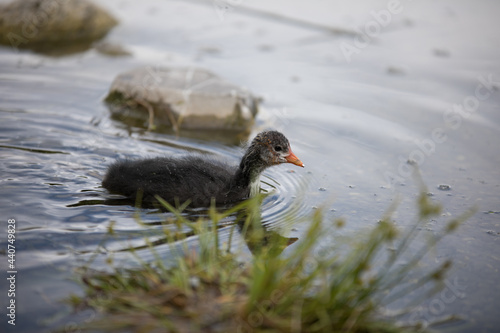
{"type": "Point", "coordinates": [209, 288]}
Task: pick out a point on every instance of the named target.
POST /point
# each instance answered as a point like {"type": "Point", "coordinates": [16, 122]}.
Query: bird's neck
{"type": "Point", "coordinates": [249, 171]}
{"type": "Point", "coordinates": [255, 186]}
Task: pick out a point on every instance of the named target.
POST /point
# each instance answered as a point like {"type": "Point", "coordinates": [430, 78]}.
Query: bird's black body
{"type": "Point", "coordinates": [197, 178]}
{"type": "Point", "coordinates": [178, 180]}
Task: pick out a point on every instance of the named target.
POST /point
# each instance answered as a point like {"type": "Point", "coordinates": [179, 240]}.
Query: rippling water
{"type": "Point", "coordinates": [352, 124]}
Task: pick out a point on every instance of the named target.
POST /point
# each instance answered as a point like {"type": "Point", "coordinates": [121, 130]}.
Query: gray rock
{"type": "Point", "coordinates": [183, 98]}
{"type": "Point", "coordinates": [48, 24]}
{"type": "Point", "coordinates": [111, 49]}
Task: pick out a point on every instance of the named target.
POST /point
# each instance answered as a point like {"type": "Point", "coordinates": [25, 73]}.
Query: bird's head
{"type": "Point", "coordinates": [274, 148]}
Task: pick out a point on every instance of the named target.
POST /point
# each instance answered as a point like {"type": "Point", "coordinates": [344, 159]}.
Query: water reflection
{"type": "Point", "coordinates": [59, 49]}
{"type": "Point", "coordinates": [139, 121]}
{"type": "Point", "coordinates": [259, 235]}
{"type": "Point", "coordinates": [260, 238]}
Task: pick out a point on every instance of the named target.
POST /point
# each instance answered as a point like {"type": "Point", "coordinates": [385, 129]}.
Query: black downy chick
{"type": "Point", "coordinates": [197, 178]}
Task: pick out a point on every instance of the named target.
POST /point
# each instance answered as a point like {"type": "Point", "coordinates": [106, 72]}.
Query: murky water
{"type": "Point", "coordinates": [353, 120]}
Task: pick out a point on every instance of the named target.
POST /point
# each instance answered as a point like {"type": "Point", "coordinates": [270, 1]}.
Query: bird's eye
{"type": "Point", "coordinates": [278, 148]}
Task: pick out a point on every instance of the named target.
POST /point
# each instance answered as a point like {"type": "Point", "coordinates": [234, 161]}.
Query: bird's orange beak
{"type": "Point", "coordinates": [291, 158]}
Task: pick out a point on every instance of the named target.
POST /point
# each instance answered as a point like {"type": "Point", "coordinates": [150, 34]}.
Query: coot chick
{"type": "Point", "coordinates": [197, 178]}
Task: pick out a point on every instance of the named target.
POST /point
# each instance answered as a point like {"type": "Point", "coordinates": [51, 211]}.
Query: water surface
{"type": "Point", "coordinates": [354, 122]}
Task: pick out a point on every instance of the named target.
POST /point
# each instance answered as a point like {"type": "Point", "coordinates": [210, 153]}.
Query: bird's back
{"type": "Point", "coordinates": [194, 178]}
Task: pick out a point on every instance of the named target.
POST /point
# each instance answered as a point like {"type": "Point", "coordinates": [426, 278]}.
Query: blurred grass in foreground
{"type": "Point", "coordinates": [210, 289]}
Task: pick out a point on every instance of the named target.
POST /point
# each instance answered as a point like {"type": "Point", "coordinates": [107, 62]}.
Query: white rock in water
{"type": "Point", "coordinates": [185, 98]}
